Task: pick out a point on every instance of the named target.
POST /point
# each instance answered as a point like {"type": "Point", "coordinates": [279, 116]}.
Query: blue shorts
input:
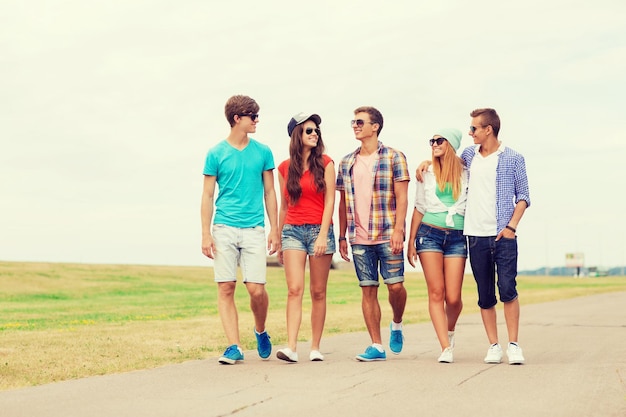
{"type": "Point", "coordinates": [450, 242]}
{"type": "Point", "coordinates": [488, 256]}
{"type": "Point", "coordinates": [302, 237]}
{"type": "Point", "coordinates": [367, 258]}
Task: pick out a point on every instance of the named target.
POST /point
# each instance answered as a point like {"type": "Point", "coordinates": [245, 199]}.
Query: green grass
{"type": "Point", "coordinates": [72, 294]}
{"type": "Point", "coordinates": [63, 321]}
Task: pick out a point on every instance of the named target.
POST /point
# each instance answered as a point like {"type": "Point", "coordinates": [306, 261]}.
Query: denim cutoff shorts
{"type": "Point", "coordinates": [488, 256]}
{"type": "Point", "coordinates": [303, 236]}
{"type": "Point", "coordinates": [367, 259]}
{"type": "Point", "coordinates": [450, 242]}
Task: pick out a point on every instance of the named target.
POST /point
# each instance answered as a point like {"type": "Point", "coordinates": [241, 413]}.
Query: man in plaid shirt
{"type": "Point", "coordinates": [373, 182]}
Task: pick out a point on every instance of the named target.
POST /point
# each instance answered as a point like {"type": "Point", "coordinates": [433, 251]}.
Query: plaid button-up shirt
{"type": "Point", "coordinates": [390, 167]}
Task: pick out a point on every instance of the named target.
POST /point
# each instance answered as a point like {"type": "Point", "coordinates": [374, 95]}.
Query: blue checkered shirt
{"type": "Point", "coordinates": [511, 182]}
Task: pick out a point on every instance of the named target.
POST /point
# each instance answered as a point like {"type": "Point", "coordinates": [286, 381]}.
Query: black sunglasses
{"type": "Point", "coordinates": [438, 141]}
{"type": "Point", "coordinates": [473, 128]}
{"type": "Point", "coordinates": [359, 122]}
{"type": "Point", "coordinates": [310, 130]}
{"type": "Point", "coordinates": [252, 116]}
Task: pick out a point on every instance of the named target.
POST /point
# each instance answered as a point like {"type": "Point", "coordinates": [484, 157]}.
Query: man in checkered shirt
{"type": "Point", "coordinates": [373, 183]}
{"type": "Point", "coordinates": [497, 197]}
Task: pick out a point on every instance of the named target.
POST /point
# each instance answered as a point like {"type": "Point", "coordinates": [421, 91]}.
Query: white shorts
{"type": "Point", "coordinates": [239, 246]}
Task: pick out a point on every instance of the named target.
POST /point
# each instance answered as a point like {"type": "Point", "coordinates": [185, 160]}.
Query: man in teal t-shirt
{"type": "Point", "coordinates": [233, 229]}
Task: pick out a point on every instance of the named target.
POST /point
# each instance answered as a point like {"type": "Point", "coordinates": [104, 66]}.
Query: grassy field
{"type": "Point", "coordinates": [64, 321]}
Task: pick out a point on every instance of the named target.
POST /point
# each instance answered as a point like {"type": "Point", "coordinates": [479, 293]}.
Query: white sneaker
{"type": "Point", "coordinates": [451, 338]}
{"type": "Point", "coordinates": [288, 355]}
{"type": "Point", "coordinates": [447, 355]}
{"type": "Point", "coordinates": [316, 356]}
{"type": "Point", "coordinates": [514, 353]}
{"type": "Point", "coordinates": [494, 354]}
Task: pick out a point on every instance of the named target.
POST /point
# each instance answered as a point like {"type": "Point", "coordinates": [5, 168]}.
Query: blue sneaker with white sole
{"type": "Point", "coordinates": [396, 340]}
{"type": "Point", "coordinates": [231, 355]}
{"type": "Point", "coordinates": [371, 354]}
{"type": "Point", "coordinates": [263, 345]}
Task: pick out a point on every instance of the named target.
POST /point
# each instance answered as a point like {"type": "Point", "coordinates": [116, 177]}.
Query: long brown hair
{"type": "Point", "coordinates": [448, 168]}
{"type": "Point", "coordinates": [296, 167]}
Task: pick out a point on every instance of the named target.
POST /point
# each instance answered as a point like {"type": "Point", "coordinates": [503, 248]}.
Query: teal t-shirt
{"type": "Point", "coordinates": [439, 219]}
{"type": "Point", "coordinates": [239, 177]}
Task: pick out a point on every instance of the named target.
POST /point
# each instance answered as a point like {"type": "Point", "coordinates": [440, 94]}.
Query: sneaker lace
{"type": "Point", "coordinates": [264, 340]}
{"type": "Point", "coordinates": [495, 348]}
{"type": "Point", "coordinates": [372, 351]}
{"type": "Point", "coordinates": [397, 335]}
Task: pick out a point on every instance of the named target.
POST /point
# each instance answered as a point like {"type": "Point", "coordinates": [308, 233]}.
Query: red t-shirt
{"type": "Point", "coordinates": [310, 206]}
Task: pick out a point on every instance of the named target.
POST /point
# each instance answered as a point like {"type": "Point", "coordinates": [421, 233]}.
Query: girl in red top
{"type": "Point", "coordinates": [307, 184]}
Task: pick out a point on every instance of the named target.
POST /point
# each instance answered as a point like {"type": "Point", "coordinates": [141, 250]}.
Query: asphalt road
{"type": "Point", "coordinates": [575, 366]}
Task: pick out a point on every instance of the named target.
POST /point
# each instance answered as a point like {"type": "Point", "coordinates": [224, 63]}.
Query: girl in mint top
{"type": "Point", "coordinates": [436, 235]}
{"type": "Point", "coordinates": [437, 202]}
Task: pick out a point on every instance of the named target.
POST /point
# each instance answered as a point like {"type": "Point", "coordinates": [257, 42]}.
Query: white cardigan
{"type": "Point", "coordinates": [426, 199]}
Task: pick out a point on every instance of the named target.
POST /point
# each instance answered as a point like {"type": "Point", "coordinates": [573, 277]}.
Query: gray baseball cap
{"type": "Point", "coordinates": [301, 118]}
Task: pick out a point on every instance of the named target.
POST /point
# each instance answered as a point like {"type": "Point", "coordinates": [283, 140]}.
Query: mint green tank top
{"type": "Point", "coordinates": [439, 219]}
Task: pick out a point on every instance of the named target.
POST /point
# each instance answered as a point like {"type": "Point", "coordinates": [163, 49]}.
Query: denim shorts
{"type": "Point", "coordinates": [450, 242]}
{"type": "Point", "coordinates": [367, 258]}
{"type": "Point", "coordinates": [302, 237]}
{"type": "Point", "coordinates": [245, 247]}
{"type": "Point", "coordinates": [488, 256]}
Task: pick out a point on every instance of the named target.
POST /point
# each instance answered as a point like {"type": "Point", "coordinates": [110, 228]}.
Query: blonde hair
{"type": "Point", "coordinates": [448, 168]}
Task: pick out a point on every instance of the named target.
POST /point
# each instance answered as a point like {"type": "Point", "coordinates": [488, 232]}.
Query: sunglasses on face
{"type": "Point", "coordinates": [474, 128]}
{"type": "Point", "coordinates": [359, 122]}
{"type": "Point", "coordinates": [252, 116]}
{"type": "Point", "coordinates": [438, 141]}
{"type": "Point", "coordinates": [310, 130]}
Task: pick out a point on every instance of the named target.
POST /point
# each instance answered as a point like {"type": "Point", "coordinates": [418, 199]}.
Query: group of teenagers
{"type": "Point", "coordinates": [467, 205]}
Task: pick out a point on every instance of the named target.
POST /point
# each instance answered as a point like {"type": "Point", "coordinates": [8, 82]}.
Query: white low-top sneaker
{"type": "Point", "coordinates": [494, 354]}
{"type": "Point", "coordinates": [316, 356]}
{"type": "Point", "coordinates": [515, 355]}
{"type": "Point", "coordinates": [287, 355]}
{"type": "Point", "coordinates": [447, 356]}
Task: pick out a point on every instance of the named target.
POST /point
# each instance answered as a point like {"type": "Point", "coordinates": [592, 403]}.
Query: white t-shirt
{"type": "Point", "coordinates": [480, 210]}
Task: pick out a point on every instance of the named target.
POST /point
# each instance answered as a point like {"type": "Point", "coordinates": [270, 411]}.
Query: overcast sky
{"type": "Point", "coordinates": [107, 109]}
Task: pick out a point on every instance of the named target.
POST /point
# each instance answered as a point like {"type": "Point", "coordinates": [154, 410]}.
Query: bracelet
{"type": "Point", "coordinates": [512, 229]}
{"type": "Point", "coordinates": [342, 238]}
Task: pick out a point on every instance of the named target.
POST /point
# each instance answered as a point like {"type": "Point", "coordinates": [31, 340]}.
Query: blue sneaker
{"type": "Point", "coordinates": [231, 355]}
{"type": "Point", "coordinates": [263, 345]}
{"type": "Point", "coordinates": [371, 354]}
{"type": "Point", "coordinates": [396, 340]}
